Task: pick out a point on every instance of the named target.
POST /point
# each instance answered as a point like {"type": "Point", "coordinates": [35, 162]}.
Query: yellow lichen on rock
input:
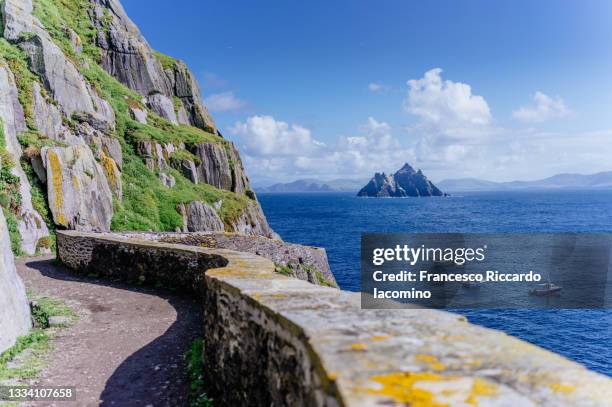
{"type": "Point", "coordinates": [379, 337]}
{"type": "Point", "coordinates": [562, 388]}
{"type": "Point", "coordinates": [481, 387]}
{"type": "Point", "coordinates": [359, 346]}
{"type": "Point", "coordinates": [110, 169]}
{"type": "Point", "coordinates": [432, 361]}
{"type": "Point", "coordinates": [57, 181]}
{"type": "Point", "coordinates": [403, 388]}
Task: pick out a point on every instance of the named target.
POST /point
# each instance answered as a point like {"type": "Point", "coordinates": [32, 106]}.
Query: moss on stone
{"type": "Point", "coordinates": [16, 61]}
{"type": "Point", "coordinates": [58, 15]}
{"type": "Point", "coordinates": [167, 62]}
{"type": "Point", "coordinates": [284, 270]}
{"type": "Point", "coordinates": [180, 156]}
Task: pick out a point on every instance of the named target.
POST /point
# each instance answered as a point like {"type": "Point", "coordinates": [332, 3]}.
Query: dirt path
{"type": "Point", "coordinates": [127, 347]}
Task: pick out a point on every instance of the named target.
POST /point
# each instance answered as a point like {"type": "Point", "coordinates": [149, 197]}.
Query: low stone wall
{"type": "Point", "coordinates": [303, 262]}
{"type": "Point", "coordinates": [272, 340]}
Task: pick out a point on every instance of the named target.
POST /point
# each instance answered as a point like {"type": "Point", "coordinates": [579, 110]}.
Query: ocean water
{"type": "Point", "coordinates": [336, 221]}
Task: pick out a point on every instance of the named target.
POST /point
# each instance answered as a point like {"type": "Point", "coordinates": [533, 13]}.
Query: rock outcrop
{"type": "Point", "coordinates": [14, 307]}
{"type": "Point", "coordinates": [221, 166]}
{"type": "Point", "coordinates": [32, 227]}
{"type": "Point", "coordinates": [79, 195]}
{"type": "Point", "coordinates": [83, 98]}
{"type": "Point", "coordinates": [404, 183]}
{"type": "Point", "coordinates": [200, 217]}
{"type": "Point", "coordinates": [252, 221]}
{"type": "Point", "coordinates": [59, 75]}
{"type": "Point", "coordinates": [128, 57]}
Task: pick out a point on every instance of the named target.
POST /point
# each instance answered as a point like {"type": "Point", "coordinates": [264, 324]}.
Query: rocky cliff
{"type": "Point", "coordinates": [403, 183]}
{"type": "Point", "coordinates": [100, 132]}
{"type": "Point", "coordinates": [14, 308]}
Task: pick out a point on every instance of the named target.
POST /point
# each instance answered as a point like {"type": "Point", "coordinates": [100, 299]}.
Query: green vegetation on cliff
{"type": "Point", "coordinates": [10, 198]}
{"type": "Point", "coordinates": [147, 204]}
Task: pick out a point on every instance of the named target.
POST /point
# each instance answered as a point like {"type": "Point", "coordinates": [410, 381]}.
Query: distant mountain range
{"type": "Point", "coordinates": [559, 181]}
{"type": "Point", "coordinates": [314, 186]}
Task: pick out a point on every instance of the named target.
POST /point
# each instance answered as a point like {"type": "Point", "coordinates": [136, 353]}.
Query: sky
{"type": "Point", "coordinates": [499, 90]}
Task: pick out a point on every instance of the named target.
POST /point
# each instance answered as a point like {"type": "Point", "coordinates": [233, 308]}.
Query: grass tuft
{"type": "Point", "coordinates": [26, 358]}
{"type": "Point", "coordinates": [195, 373]}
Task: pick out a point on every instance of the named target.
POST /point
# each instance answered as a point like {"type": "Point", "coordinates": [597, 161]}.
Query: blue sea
{"type": "Point", "coordinates": [336, 221]}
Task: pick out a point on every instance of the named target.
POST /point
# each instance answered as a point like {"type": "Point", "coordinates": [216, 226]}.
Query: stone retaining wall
{"type": "Point", "coordinates": [303, 262]}
{"type": "Point", "coordinates": [272, 340]}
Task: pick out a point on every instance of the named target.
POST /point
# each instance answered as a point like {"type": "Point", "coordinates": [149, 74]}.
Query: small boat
{"type": "Point", "coordinates": [545, 289]}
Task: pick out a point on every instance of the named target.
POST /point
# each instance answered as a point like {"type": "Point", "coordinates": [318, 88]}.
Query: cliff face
{"type": "Point", "coordinates": [14, 308]}
{"type": "Point", "coordinates": [100, 132]}
{"type": "Point", "coordinates": [403, 183]}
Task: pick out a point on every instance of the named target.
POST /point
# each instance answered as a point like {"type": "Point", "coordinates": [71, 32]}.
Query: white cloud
{"type": "Point", "coordinates": [454, 136]}
{"type": "Point", "coordinates": [223, 102]}
{"type": "Point", "coordinates": [377, 87]}
{"type": "Point", "coordinates": [447, 110]}
{"type": "Point", "coordinates": [453, 124]}
{"type": "Point", "coordinates": [543, 108]}
{"type": "Point", "coordinates": [290, 151]}
{"type": "Point", "coordinates": [265, 136]}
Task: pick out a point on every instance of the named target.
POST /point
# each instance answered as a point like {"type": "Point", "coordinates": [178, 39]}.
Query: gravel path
{"type": "Point", "coordinates": [127, 347]}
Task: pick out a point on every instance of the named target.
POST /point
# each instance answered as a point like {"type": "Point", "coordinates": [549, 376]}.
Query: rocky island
{"type": "Point", "coordinates": [403, 183]}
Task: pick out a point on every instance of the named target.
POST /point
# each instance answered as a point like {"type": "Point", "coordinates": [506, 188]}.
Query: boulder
{"type": "Point", "coordinates": [79, 194]}
{"type": "Point", "coordinates": [214, 168]}
{"type": "Point", "coordinates": [163, 106]}
{"type": "Point", "coordinates": [220, 166]}
{"type": "Point", "coordinates": [47, 116]}
{"type": "Point", "coordinates": [101, 143]}
{"type": "Point", "coordinates": [203, 218]}
{"type": "Point", "coordinates": [252, 221]}
{"type": "Point", "coordinates": [17, 18]}
{"type": "Point", "coordinates": [140, 115]}
{"type": "Point", "coordinates": [188, 169]}
{"type": "Point", "coordinates": [156, 156]}
{"type": "Point", "coordinates": [181, 115]}
{"type": "Point", "coordinates": [49, 119]}
{"type": "Point", "coordinates": [168, 180]}
{"type": "Point", "coordinates": [14, 307]}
